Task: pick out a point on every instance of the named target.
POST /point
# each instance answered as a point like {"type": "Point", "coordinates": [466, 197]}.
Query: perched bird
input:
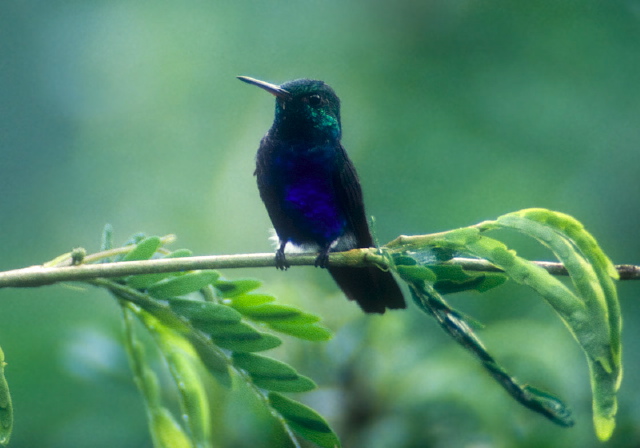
{"type": "Point", "coordinates": [311, 190]}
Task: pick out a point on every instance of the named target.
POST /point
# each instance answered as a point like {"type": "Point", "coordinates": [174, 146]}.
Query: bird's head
{"type": "Point", "coordinates": [305, 108]}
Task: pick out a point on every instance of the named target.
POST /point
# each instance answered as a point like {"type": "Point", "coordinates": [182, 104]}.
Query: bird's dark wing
{"type": "Point", "coordinates": [349, 195]}
{"type": "Point", "coordinates": [373, 289]}
{"type": "Point", "coordinates": [270, 189]}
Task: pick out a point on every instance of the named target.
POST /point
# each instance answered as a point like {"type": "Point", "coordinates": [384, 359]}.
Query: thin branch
{"type": "Point", "coordinates": [626, 271]}
{"type": "Point", "coordinates": [41, 275]}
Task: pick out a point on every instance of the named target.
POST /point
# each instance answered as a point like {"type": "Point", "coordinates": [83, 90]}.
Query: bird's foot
{"type": "Point", "coordinates": [323, 259]}
{"type": "Point", "coordinates": [281, 260]}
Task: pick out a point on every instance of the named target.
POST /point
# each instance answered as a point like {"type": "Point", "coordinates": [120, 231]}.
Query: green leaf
{"type": "Point", "coordinates": [259, 365]}
{"type": "Point", "coordinates": [216, 364]}
{"type": "Point", "coordinates": [604, 269]}
{"type": "Point", "coordinates": [234, 288]}
{"type": "Point", "coordinates": [300, 384]}
{"type": "Point", "coordinates": [404, 260]}
{"type": "Point", "coordinates": [6, 406]}
{"type": "Point", "coordinates": [145, 280]}
{"type": "Point", "coordinates": [480, 284]}
{"type": "Point", "coordinates": [309, 332]}
{"type": "Point", "coordinates": [271, 374]}
{"type": "Point", "coordinates": [459, 238]}
{"type": "Point", "coordinates": [456, 325]}
{"type": "Point", "coordinates": [246, 300]}
{"type": "Point", "coordinates": [135, 239]}
{"type": "Point", "coordinates": [416, 273]}
{"type": "Point", "coordinates": [436, 252]}
{"type": "Point", "coordinates": [304, 421]}
{"type": "Point", "coordinates": [204, 314]}
{"type": "Point", "coordinates": [270, 312]}
{"type": "Point", "coordinates": [443, 253]}
{"type": "Point", "coordinates": [284, 318]}
{"type": "Point", "coordinates": [548, 405]}
{"type": "Point", "coordinates": [144, 250]}
{"type": "Point", "coordinates": [166, 432]}
{"type": "Point", "coordinates": [527, 273]}
{"type": "Point", "coordinates": [179, 253]}
{"type": "Point", "coordinates": [242, 337]}
{"type": "Point", "coordinates": [453, 273]}
{"type": "Point", "coordinates": [446, 279]}
{"type": "Point", "coordinates": [182, 284]}
{"type": "Point", "coordinates": [596, 323]}
{"type": "Point", "coordinates": [452, 278]}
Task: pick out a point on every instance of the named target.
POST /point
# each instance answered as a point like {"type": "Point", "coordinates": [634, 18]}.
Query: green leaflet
{"type": "Point", "coordinates": [304, 421]}
{"type": "Point", "coordinates": [526, 273]}
{"type": "Point", "coordinates": [449, 279]}
{"type": "Point", "coordinates": [204, 314]}
{"type": "Point", "coordinates": [300, 384]}
{"type": "Point", "coordinates": [270, 312]}
{"type": "Point", "coordinates": [262, 366]}
{"type": "Point", "coordinates": [181, 285]}
{"type": "Point", "coordinates": [236, 287]}
{"type": "Point", "coordinates": [452, 278]}
{"type": "Point", "coordinates": [242, 337]}
{"type": "Point", "coordinates": [270, 374]}
{"type": "Point", "coordinates": [416, 273]}
{"type": "Point", "coordinates": [247, 300]}
{"type": "Point", "coordinates": [309, 332]}
{"type": "Point", "coordinates": [6, 407]}
{"type": "Point", "coordinates": [179, 253]}
{"type": "Point", "coordinates": [144, 249]}
{"type": "Point", "coordinates": [167, 432]}
{"type": "Point", "coordinates": [283, 318]}
{"type": "Point", "coordinates": [146, 280]}
{"type": "Point", "coordinates": [404, 260]}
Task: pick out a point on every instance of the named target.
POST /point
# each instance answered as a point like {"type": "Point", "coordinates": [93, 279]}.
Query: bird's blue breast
{"type": "Point", "coordinates": [305, 177]}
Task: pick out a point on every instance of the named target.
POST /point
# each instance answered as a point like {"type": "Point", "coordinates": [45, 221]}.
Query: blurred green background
{"type": "Point", "coordinates": [129, 113]}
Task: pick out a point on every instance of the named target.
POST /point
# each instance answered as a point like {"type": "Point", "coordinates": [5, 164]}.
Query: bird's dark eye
{"type": "Point", "coordinates": [314, 100]}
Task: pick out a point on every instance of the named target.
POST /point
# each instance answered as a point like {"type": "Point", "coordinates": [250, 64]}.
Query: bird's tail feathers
{"type": "Point", "coordinates": [373, 289]}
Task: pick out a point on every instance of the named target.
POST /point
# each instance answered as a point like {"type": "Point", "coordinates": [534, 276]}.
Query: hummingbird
{"type": "Point", "coordinates": [311, 190]}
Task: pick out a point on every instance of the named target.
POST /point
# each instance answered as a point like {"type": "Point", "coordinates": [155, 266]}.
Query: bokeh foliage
{"type": "Point", "coordinates": [454, 112]}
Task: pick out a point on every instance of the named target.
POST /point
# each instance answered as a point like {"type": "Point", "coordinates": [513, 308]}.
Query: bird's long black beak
{"type": "Point", "coordinates": [271, 88]}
